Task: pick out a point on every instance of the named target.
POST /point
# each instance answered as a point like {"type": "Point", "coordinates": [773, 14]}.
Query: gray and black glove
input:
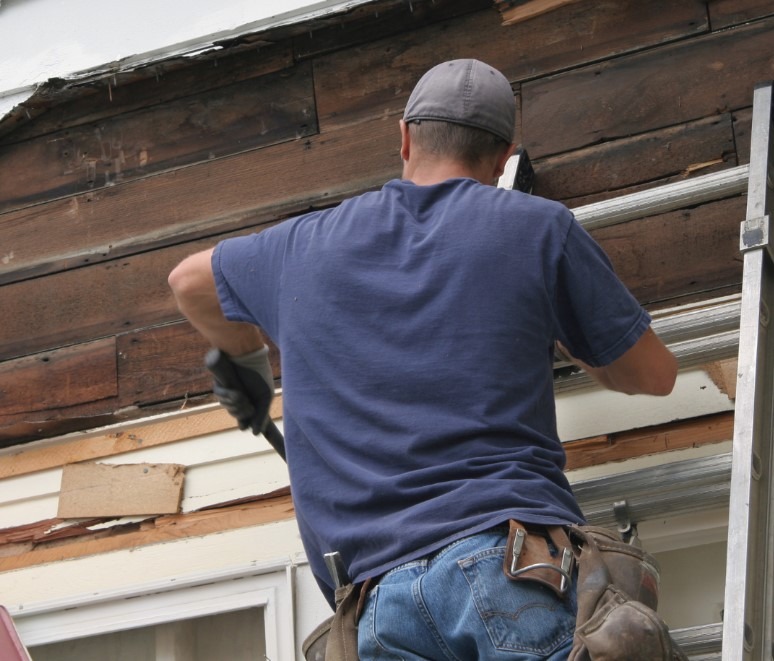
{"type": "Point", "coordinates": [244, 385]}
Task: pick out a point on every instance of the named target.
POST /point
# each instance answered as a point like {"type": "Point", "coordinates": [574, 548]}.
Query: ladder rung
{"type": "Point", "coordinates": [696, 334]}
{"type": "Point", "coordinates": [700, 643]}
{"type": "Point", "coordinates": [681, 487]}
{"type": "Point", "coordinates": [708, 187]}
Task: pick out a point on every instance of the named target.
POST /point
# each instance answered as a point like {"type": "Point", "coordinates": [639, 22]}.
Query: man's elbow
{"type": "Point", "coordinates": [182, 284]}
{"type": "Point", "coordinates": [191, 278]}
{"type": "Point", "coordinates": [662, 380]}
{"type": "Point", "coordinates": [180, 280]}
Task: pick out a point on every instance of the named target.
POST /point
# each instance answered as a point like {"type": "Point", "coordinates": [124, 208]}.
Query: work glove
{"type": "Point", "coordinates": [244, 386]}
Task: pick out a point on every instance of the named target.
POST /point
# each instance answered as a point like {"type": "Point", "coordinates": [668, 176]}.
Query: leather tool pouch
{"type": "Point", "coordinates": [617, 598]}
{"type": "Point", "coordinates": [335, 639]}
{"type": "Point", "coordinates": [542, 554]}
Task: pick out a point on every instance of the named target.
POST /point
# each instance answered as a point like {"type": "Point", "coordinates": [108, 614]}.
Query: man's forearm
{"type": "Point", "coordinates": [193, 285]}
{"type": "Point", "coordinates": [647, 368]}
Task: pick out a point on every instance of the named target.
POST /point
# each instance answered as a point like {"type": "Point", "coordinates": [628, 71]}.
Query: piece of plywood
{"type": "Point", "coordinates": [93, 489]}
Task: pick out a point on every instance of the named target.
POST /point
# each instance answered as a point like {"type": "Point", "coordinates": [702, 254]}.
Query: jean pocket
{"type": "Point", "coordinates": [518, 616]}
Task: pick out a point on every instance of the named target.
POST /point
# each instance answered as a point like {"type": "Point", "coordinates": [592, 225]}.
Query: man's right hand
{"type": "Point", "coordinates": [244, 386]}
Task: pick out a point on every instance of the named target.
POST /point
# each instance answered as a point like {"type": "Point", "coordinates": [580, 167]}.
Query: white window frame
{"type": "Point", "coordinates": [270, 588]}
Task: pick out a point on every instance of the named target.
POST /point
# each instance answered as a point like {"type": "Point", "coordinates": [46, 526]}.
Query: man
{"type": "Point", "coordinates": [417, 327]}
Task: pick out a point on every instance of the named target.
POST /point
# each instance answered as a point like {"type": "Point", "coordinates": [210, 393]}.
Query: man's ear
{"type": "Point", "coordinates": [502, 160]}
{"type": "Point", "coordinates": [405, 141]}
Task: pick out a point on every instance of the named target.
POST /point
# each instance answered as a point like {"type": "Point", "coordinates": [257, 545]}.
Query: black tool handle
{"type": "Point", "coordinates": [252, 384]}
{"type": "Point", "coordinates": [336, 569]}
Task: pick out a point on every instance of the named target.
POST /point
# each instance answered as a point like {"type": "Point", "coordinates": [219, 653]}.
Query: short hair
{"type": "Point", "coordinates": [469, 145]}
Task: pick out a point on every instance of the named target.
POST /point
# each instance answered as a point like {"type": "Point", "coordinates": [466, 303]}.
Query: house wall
{"type": "Point", "coordinates": [107, 184]}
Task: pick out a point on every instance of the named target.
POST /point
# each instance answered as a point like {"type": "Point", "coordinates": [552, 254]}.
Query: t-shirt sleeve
{"type": "Point", "coordinates": [247, 271]}
{"type": "Point", "coordinates": [598, 319]}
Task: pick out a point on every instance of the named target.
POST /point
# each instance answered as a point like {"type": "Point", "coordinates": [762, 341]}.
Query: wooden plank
{"type": "Point", "coordinates": [712, 265]}
{"type": "Point", "coordinates": [528, 9]}
{"type": "Point", "coordinates": [95, 490]}
{"type": "Point", "coordinates": [638, 442]}
{"type": "Point", "coordinates": [164, 529]}
{"type": "Point", "coordinates": [678, 253]}
{"type": "Point", "coordinates": [58, 379]}
{"type": "Point", "coordinates": [651, 159]}
{"type": "Point", "coordinates": [246, 189]}
{"type": "Point", "coordinates": [193, 129]}
{"type": "Point", "coordinates": [378, 20]}
{"type": "Point", "coordinates": [380, 75]}
{"type": "Point", "coordinates": [160, 370]}
{"type": "Point", "coordinates": [157, 367]}
{"type": "Point", "coordinates": [662, 87]}
{"type": "Point", "coordinates": [130, 90]}
{"type": "Point", "coordinates": [82, 304]}
{"type": "Point", "coordinates": [725, 13]}
{"type": "Point", "coordinates": [120, 440]}
{"type": "Point", "coordinates": [166, 362]}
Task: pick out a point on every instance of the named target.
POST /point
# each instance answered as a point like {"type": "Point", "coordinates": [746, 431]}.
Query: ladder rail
{"type": "Point", "coordinates": [747, 628]}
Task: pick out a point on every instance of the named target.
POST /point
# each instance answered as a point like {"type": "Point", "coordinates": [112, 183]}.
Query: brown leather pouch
{"type": "Point", "coordinates": [541, 553]}
{"type": "Point", "coordinates": [617, 599]}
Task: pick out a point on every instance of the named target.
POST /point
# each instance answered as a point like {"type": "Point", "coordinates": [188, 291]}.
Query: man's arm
{"type": "Point", "coordinates": [193, 285]}
{"type": "Point", "coordinates": [647, 368]}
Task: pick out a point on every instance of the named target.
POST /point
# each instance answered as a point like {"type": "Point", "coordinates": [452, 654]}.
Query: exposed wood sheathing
{"type": "Point", "coordinates": [56, 539]}
{"type": "Point", "coordinates": [114, 179]}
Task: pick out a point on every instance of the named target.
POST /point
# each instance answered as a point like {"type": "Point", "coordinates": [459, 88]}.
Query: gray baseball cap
{"type": "Point", "coordinates": [466, 92]}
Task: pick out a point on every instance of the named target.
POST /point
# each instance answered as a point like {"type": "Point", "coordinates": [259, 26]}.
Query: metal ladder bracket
{"type": "Point", "coordinates": [755, 234]}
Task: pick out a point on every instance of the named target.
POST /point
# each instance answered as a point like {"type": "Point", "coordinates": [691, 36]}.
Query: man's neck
{"type": "Point", "coordinates": [427, 173]}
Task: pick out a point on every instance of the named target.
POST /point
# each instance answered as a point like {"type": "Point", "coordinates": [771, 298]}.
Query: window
{"type": "Point", "coordinates": [235, 617]}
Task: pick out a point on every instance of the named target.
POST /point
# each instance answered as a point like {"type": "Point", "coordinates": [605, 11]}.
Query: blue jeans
{"type": "Point", "coordinates": [458, 605]}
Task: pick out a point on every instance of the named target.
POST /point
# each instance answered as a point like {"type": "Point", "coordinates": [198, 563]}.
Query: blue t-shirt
{"type": "Point", "coordinates": [416, 326]}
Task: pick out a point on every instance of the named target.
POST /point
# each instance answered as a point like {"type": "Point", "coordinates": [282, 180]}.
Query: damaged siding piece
{"type": "Point", "coordinates": [514, 11]}
{"type": "Point", "coordinates": [92, 489]}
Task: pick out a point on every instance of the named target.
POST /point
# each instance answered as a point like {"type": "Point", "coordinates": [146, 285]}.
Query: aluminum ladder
{"type": "Point", "coordinates": [698, 334]}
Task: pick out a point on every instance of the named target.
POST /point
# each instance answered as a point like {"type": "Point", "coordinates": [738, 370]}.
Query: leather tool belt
{"type": "Point", "coordinates": [541, 553]}
{"type": "Point", "coordinates": [617, 589]}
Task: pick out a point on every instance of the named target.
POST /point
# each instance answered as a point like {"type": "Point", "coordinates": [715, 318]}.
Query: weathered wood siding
{"type": "Point", "coordinates": [108, 185]}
